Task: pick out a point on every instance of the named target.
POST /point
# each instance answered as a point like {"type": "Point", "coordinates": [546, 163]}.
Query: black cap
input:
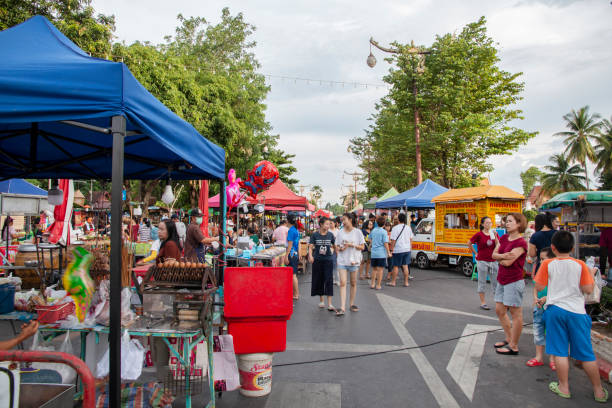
{"type": "Point", "coordinates": [196, 212]}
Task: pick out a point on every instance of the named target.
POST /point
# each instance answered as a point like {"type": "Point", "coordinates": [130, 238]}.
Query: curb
{"type": "Point", "coordinates": [605, 366]}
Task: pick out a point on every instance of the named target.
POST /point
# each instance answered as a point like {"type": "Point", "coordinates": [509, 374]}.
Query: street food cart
{"type": "Point", "coordinates": [584, 213]}
{"type": "Point", "coordinates": [443, 239]}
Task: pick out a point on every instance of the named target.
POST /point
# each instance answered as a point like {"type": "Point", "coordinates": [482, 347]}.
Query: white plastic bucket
{"type": "Point", "coordinates": [255, 374]}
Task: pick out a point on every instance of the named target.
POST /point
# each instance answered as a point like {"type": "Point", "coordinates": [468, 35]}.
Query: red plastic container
{"type": "Point", "coordinates": [51, 314]}
{"type": "Point", "coordinates": [258, 303]}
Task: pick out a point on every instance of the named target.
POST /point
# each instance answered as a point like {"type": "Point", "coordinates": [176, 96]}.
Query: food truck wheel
{"type": "Point", "coordinates": [467, 267]}
{"type": "Point", "coordinates": [422, 260]}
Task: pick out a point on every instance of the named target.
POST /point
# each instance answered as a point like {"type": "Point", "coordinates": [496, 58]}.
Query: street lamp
{"type": "Point", "coordinates": [412, 50]}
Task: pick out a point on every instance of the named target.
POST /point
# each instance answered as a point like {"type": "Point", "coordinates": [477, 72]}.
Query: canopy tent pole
{"type": "Point", "coordinates": [224, 228]}
{"type": "Point", "coordinates": [118, 127]}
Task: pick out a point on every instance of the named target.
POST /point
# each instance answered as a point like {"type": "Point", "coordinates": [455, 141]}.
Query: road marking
{"type": "Point", "coordinates": [465, 361]}
{"type": "Point", "coordinates": [399, 311]}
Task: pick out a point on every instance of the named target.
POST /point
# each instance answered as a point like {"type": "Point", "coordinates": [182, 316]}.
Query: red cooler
{"type": "Point", "coordinates": [258, 303]}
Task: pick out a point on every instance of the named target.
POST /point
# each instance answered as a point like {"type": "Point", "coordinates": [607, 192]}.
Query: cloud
{"type": "Point", "coordinates": [562, 47]}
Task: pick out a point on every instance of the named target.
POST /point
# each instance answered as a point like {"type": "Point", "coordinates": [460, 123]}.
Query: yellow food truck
{"type": "Point", "coordinates": [443, 239]}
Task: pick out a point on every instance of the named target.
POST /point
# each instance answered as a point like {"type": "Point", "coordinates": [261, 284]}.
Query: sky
{"type": "Point", "coordinates": [562, 47]}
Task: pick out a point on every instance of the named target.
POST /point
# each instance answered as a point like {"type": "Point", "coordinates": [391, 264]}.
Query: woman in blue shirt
{"type": "Point", "coordinates": [379, 241]}
{"type": "Point", "coordinates": [291, 256]}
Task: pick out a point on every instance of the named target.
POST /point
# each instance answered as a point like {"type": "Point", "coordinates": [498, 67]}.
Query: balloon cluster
{"type": "Point", "coordinates": [260, 178]}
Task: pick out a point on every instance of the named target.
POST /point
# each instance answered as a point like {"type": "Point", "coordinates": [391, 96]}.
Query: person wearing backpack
{"type": "Point", "coordinates": [401, 241]}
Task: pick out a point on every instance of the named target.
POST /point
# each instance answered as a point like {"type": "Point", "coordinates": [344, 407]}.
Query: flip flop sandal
{"type": "Point", "coordinates": [372, 287]}
{"type": "Point", "coordinates": [331, 308]}
{"type": "Point", "coordinates": [321, 305]}
{"type": "Point", "coordinates": [504, 344]}
{"type": "Point", "coordinates": [485, 307]}
{"type": "Point", "coordinates": [553, 366]}
{"type": "Point", "coordinates": [406, 285]}
{"type": "Point", "coordinates": [389, 284]}
{"type": "Point", "coordinates": [339, 312]}
{"type": "Point", "coordinates": [554, 387]}
{"type": "Point", "coordinates": [605, 397]}
{"type": "Point", "coordinates": [296, 298]}
{"type": "Point", "coordinates": [354, 308]}
{"type": "Point", "coordinates": [510, 352]}
{"type": "Point", "coordinates": [534, 363]}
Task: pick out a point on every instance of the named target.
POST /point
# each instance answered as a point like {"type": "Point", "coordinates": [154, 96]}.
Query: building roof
{"type": "Point", "coordinates": [477, 193]}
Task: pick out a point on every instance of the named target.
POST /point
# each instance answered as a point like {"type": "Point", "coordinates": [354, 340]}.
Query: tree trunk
{"type": "Point", "coordinates": [193, 193]}
{"type": "Point", "coordinates": [417, 135]}
{"type": "Point", "coordinates": [586, 175]}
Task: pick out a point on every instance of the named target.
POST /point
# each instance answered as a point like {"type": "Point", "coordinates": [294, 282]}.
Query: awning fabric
{"type": "Point", "coordinates": [20, 186]}
{"type": "Point", "coordinates": [478, 193]}
{"type": "Point", "coordinates": [569, 198]}
{"type": "Point", "coordinates": [46, 79]}
{"type": "Point", "coordinates": [417, 197]}
{"type": "Point", "coordinates": [370, 205]}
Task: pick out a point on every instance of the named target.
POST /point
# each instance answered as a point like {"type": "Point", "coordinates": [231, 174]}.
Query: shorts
{"type": "Point", "coordinates": [378, 262]}
{"type": "Point", "coordinates": [349, 268]}
{"type": "Point", "coordinates": [539, 328]}
{"type": "Point", "coordinates": [566, 330]}
{"type": "Point", "coordinates": [322, 278]}
{"type": "Point", "coordinates": [487, 268]}
{"type": "Point", "coordinates": [365, 256]}
{"type": "Point", "coordinates": [401, 259]}
{"type": "Point", "coordinates": [510, 295]}
{"type": "Point", "coordinates": [293, 262]}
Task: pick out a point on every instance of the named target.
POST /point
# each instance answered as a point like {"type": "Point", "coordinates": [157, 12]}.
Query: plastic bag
{"type": "Point", "coordinates": [595, 296]}
{"type": "Point", "coordinates": [225, 371]}
{"type": "Point", "coordinates": [132, 358]}
{"type": "Point", "coordinates": [68, 374]}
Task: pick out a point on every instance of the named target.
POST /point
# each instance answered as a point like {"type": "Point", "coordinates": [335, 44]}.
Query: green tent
{"type": "Point", "coordinates": [570, 197]}
{"type": "Point", "coordinates": [371, 205]}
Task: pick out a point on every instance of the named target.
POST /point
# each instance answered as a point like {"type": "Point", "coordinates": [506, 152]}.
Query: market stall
{"type": "Point", "coordinates": [419, 197]}
{"type": "Point", "coordinates": [64, 114]}
{"type": "Point", "coordinates": [585, 214]}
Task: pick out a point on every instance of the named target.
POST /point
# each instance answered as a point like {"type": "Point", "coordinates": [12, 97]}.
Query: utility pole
{"type": "Point", "coordinates": [355, 176]}
{"type": "Point", "coordinates": [412, 50]}
{"type": "Point", "coordinates": [302, 189]}
{"type": "Point", "coordinates": [350, 192]}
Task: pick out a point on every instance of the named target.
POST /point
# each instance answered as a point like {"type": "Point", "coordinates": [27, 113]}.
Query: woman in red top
{"type": "Point", "coordinates": [170, 244]}
{"type": "Point", "coordinates": [485, 240]}
{"type": "Point", "coordinates": [510, 252]}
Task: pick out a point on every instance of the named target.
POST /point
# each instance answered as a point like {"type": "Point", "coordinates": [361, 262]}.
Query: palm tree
{"type": "Point", "coordinates": [316, 193]}
{"type": "Point", "coordinates": [583, 127]}
{"type": "Point", "coordinates": [603, 149]}
{"type": "Point", "coordinates": [562, 176]}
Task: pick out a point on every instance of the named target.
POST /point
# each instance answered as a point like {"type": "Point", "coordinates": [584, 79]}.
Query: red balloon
{"type": "Point", "coordinates": [262, 176]}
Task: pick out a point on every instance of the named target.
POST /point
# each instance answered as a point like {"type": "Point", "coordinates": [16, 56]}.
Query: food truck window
{"type": "Point", "coordinates": [460, 221]}
{"type": "Point", "coordinates": [424, 227]}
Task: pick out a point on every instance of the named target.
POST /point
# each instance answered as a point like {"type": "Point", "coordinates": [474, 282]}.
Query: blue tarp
{"type": "Point", "coordinates": [20, 186]}
{"type": "Point", "coordinates": [45, 79]}
{"type": "Point", "coordinates": [417, 197]}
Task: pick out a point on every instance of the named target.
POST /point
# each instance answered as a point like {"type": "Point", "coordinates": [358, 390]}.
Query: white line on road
{"type": "Point", "coordinates": [465, 361]}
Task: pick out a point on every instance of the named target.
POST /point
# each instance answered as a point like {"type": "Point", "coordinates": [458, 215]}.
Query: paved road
{"type": "Point", "coordinates": [439, 305]}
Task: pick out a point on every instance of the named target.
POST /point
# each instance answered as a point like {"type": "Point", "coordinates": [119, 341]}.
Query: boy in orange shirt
{"type": "Point", "coordinates": [567, 324]}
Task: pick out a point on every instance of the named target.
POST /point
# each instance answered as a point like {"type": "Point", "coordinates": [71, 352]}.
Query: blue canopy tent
{"type": "Point", "coordinates": [21, 187]}
{"type": "Point", "coordinates": [64, 114]}
{"type": "Point", "coordinates": [417, 197]}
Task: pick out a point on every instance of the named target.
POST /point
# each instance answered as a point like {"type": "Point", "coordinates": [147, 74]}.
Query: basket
{"type": "Point", "coordinates": [51, 314]}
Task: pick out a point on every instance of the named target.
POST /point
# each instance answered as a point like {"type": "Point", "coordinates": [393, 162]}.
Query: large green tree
{"type": "Point", "coordinates": [561, 176]}
{"type": "Point", "coordinates": [530, 178]}
{"type": "Point", "coordinates": [77, 19]}
{"type": "Point", "coordinates": [467, 108]}
{"type": "Point", "coordinates": [583, 128]}
{"type": "Point", "coordinates": [603, 154]}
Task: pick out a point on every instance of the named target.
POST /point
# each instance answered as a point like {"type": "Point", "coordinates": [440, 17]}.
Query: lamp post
{"type": "Point", "coordinates": [412, 50]}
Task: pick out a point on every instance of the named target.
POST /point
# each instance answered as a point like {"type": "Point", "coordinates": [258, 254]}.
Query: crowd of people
{"type": "Point", "coordinates": [560, 323]}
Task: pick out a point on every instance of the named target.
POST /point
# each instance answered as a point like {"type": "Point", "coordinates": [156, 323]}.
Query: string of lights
{"type": "Point", "coordinates": [283, 78]}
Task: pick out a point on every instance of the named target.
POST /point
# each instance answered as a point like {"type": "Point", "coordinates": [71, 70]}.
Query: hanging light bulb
{"type": "Point", "coordinates": [168, 196]}
{"type": "Point", "coordinates": [55, 196]}
{"type": "Point", "coordinates": [371, 60]}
